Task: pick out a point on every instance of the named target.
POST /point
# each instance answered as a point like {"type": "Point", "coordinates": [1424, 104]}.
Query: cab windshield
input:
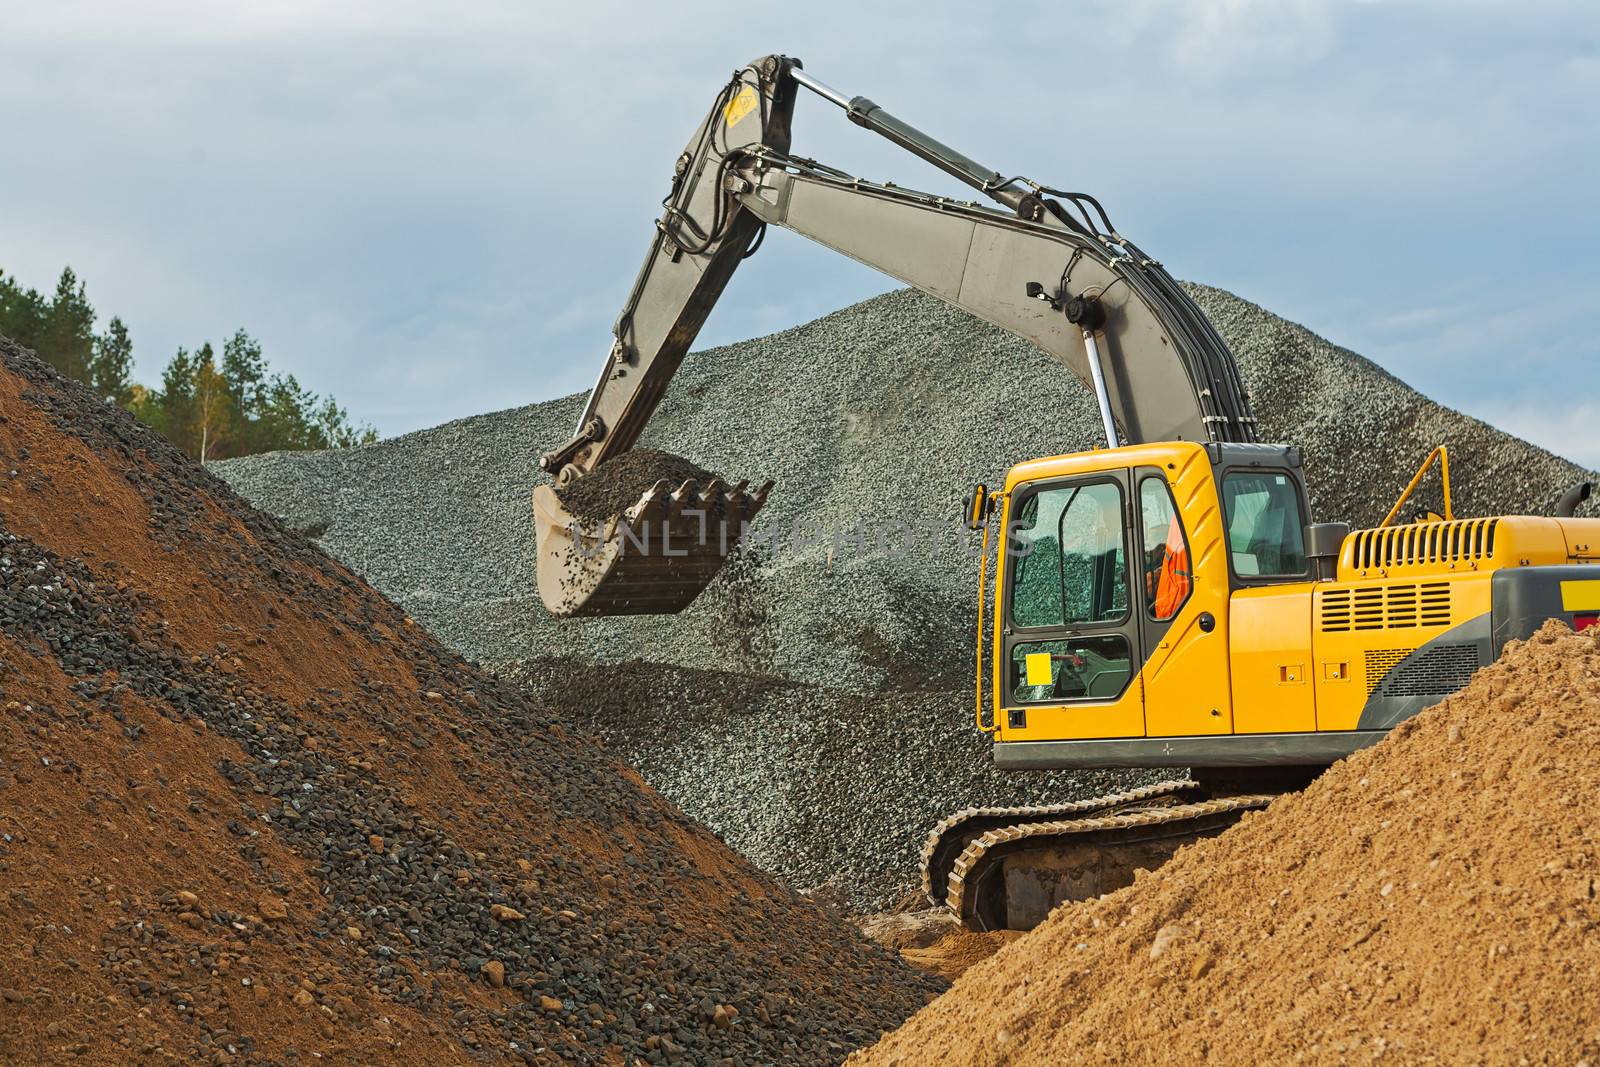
{"type": "Point", "coordinates": [1266, 532]}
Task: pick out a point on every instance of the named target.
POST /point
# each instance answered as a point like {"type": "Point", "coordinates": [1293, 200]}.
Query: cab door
{"type": "Point", "coordinates": [1182, 578]}
{"type": "Point", "coordinates": [1070, 639]}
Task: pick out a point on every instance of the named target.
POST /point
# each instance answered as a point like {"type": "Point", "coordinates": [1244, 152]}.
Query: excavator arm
{"type": "Point", "coordinates": [1045, 265]}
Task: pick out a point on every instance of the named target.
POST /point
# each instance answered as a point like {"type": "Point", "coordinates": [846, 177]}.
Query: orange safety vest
{"type": "Point", "coordinates": [1173, 584]}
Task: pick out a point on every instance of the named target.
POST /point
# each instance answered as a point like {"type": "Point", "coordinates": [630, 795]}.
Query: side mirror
{"type": "Point", "coordinates": [978, 504]}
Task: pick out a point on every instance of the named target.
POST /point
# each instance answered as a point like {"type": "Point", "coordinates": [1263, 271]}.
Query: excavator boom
{"type": "Point", "coordinates": [1045, 265]}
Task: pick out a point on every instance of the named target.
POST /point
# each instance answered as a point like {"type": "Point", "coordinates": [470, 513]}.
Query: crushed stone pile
{"type": "Point", "coordinates": [1433, 899]}
{"type": "Point", "coordinates": [618, 483]}
{"type": "Point", "coordinates": [834, 791]}
{"type": "Point", "coordinates": [872, 421]}
{"type": "Point", "coordinates": [250, 812]}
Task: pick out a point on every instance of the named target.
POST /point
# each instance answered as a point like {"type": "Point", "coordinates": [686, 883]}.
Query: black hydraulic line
{"type": "Point", "coordinates": [865, 113]}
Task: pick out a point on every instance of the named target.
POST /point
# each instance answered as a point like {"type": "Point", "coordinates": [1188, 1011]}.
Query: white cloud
{"type": "Point", "coordinates": [383, 189]}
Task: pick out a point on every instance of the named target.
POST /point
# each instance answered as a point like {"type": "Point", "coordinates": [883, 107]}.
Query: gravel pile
{"type": "Point", "coordinates": [872, 421]}
{"type": "Point", "coordinates": [833, 791]}
{"type": "Point", "coordinates": [857, 580]}
{"type": "Point", "coordinates": [250, 812]}
{"type": "Point", "coordinates": [618, 483]}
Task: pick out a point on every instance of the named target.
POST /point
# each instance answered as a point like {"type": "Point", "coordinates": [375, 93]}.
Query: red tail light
{"type": "Point", "coordinates": [1581, 623]}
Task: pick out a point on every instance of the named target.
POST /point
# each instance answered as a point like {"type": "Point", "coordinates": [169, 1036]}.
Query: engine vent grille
{"type": "Point", "coordinates": [1386, 607]}
{"type": "Point", "coordinates": [1436, 671]}
{"type": "Point", "coordinates": [1424, 543]}
{"type": "Point", "coordinates": [1380, 661]}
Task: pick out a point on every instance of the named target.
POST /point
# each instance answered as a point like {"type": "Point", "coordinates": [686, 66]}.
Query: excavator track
{"type": "Point", "coordinates": [950, 838]}
{"type": "Point", "coordinates": [1074, 858]}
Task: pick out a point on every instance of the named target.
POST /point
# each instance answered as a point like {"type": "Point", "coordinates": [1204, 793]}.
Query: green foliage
{"type": "Point", "coordinates": [60, 328]}
{"type": "Point", "coordinates": [210, 408]}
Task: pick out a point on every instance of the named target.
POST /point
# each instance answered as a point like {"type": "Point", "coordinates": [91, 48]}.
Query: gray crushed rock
{"type": "Point", "coordinates": [880, 413]}
{"type": "Point", "coordinates": [877, 417]}
{"type": "Point", "coordinates": [825, 788]}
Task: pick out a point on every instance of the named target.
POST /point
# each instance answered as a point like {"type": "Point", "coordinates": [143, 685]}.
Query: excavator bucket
{"type": "Point", "coordinates": [653, 558]}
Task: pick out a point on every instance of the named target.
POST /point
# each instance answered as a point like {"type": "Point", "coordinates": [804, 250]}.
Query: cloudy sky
{"type": "Point", "coordinates": [433, 210]}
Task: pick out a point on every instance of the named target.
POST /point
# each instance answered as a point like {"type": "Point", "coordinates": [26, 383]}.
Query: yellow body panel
{"type": "Point", "coordinates": [1443, 549]}
{"type": "Point", "coordinates": [1364, 627]}
{"type": "Point", "coordinates": [1271, 660]}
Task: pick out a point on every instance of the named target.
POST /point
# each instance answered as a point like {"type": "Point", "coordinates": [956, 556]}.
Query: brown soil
{"type": "Point", "coordinates": [909, 929]}
{"type": "Point", "coordinates": [250, 812]}
{"type": "Point", "coordinates": [619, 482]}
{"type": "Point", "coordinates": [1432, 899]}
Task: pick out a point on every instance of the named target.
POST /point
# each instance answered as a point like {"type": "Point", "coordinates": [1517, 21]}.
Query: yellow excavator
{"type": "Point", "coordinates": [1163, 602]}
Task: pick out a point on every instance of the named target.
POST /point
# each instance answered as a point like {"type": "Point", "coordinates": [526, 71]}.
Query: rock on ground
{"type": "Point", "coordinates": [833, 791]}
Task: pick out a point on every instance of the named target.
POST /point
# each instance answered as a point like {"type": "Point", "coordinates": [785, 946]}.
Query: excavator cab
{"type": "Point", "coordinates": [1113, 606]}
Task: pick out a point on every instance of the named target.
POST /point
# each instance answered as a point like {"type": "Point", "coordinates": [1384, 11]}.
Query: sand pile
{"type": "Point", "coordinates": [1433, 899]}
{"type": "Point", "coordinates": [250, 812]}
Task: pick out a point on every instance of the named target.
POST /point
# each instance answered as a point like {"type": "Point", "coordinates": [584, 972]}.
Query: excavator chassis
{"type": "Point", "coordinates": [1006, 868]}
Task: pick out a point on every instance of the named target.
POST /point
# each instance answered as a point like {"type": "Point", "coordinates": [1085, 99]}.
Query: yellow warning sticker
{"type": "Point", "coordinates": [1580, 596]}
{"type": "Point", "coordinates": [743, 102]}
{"type": "Point", "coordinates": [1038, 665]}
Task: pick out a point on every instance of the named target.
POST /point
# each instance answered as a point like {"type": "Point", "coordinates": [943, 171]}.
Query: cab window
{"type": "Point", "coordinates": [1070, 568]}
{"type": "Point", "coordinates": [1265, 535]}
{"type": "Point", "coordinates": [1167, 575]}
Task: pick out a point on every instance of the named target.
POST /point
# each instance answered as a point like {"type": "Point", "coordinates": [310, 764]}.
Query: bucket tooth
{"type": "Point", "coordinates": [651, 506]}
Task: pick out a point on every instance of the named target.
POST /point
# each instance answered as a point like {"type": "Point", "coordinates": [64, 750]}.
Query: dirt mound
{"type": "Point", "coordinates": [250, 812]}
{"type": "Point", "coordinates": [1432, 899]}
{"type": "Point", "coordinates": [618, 483]}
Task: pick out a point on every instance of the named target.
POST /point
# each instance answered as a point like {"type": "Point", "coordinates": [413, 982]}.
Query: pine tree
{"type": "Point", "coordinates": [245, 371]}
{"type": "Point", "coordinates": [212, 409]}
{"type": "Point", "coordinates": [22, 313]}
{"type": "Point", "coordinates": [67, 337]}
{"type": "Point", "coordinates": [172, 409]}
{"type": "Point", "coordinates": [111, 369]}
